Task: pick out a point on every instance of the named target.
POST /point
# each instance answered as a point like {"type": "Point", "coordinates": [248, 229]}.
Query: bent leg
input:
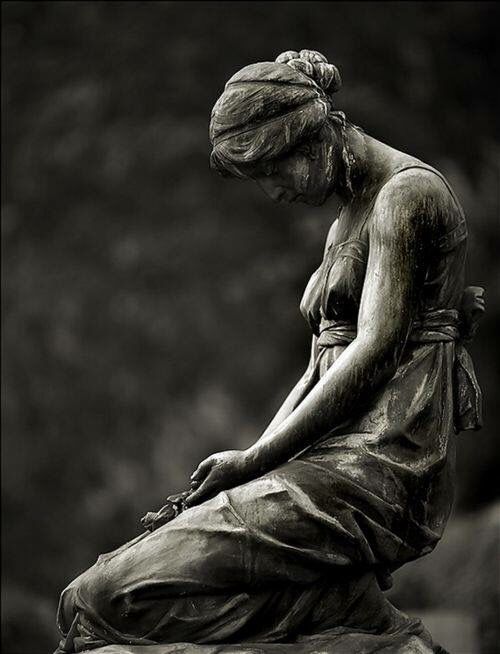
{"type": "Point", "coordinates": [211, 576]}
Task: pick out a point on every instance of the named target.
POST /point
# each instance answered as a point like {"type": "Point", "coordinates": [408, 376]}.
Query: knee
{"type": "Point", "coordinates": [96, 588]}
{"type": "Point", "coordinates": [88, 593]}
{"type": "Point", "coordinates": [66, 610]}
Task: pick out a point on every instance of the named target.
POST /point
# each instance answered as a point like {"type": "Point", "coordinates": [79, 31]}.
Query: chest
{"type": "Point", "coordinates": [334, 290]}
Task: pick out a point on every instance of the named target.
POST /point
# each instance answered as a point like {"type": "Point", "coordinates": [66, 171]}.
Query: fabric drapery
{"type": "Point", "coordinates": [300, 550]}
{"type": "Point", "coordinates": [441, 325]}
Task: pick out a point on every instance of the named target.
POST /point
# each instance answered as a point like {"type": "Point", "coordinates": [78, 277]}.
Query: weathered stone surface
{"type": "Point", "coordinates": [411, 640]}
{"type": "Point", "coordinates": [353, 478]}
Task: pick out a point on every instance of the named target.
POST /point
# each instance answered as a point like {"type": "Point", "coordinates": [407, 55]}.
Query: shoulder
{"type": "Point", "coordinates": [417, 185]}
{"type": "Point", "coordinates": [413, 200]}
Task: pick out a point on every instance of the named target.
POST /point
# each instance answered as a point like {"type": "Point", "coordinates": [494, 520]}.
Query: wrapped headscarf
{"type": "Point", "coordinates": [269, 108]}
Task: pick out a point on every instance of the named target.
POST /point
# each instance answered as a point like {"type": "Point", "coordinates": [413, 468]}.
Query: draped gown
{"type": "Point", "coordinates": [304, 548]}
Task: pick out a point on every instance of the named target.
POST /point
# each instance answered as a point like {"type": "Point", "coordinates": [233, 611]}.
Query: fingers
{"type": "Point", "coordinates": [202, 470]}
{"type": "Point", "coordinates": [205, 489]}
{"type": "Point", "coordinates": [197, 495]}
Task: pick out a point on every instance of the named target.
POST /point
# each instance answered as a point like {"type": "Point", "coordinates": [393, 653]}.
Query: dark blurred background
{"type": "Point", "coordinates": [150, 307]}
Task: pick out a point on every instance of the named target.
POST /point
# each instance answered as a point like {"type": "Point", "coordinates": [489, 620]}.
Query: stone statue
{"type": "Point", "coordinates": [291, 543]}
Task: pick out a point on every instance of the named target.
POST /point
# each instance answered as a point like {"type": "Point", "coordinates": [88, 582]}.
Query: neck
{"type": "Point", "coordinates": [364, 164]}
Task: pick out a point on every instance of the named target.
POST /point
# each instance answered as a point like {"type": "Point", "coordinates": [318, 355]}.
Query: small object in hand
{"type": "Point", "coordinates": [175, 505]}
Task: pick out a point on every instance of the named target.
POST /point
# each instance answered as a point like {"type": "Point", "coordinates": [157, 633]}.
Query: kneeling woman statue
{"type": "Point", "coordinates": [295, 539]}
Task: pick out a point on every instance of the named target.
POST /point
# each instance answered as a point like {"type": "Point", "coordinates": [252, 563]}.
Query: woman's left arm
{"type": "Point", "coordinates": [395, 272]}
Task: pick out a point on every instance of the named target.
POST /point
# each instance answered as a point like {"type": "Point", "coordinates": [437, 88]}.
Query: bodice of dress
{"type": "Point", "coordinates": [334, 290]}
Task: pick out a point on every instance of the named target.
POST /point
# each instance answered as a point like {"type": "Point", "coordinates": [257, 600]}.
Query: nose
{"type": "Point", "coordinates": [271, 189]}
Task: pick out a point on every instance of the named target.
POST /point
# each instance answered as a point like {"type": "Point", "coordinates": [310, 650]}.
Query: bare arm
{"type": "Point", "coordinates": [294, 396]}
{"type": "Point", "coordinates": [401, 226]}
{"type": "Point", "coordinates": [297, 391]}
{"type": "Point", "coordinates": [390, 294]}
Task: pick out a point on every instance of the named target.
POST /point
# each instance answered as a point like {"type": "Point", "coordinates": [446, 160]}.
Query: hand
{"type": "Point", "coordinates": [219, 472]}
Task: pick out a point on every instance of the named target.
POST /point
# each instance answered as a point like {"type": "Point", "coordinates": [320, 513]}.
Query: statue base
{"type": "Point", "coordinates": [409, 638]}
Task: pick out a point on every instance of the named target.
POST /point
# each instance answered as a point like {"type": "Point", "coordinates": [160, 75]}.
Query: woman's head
{"type": "Point", "coordinates": [275, 123]}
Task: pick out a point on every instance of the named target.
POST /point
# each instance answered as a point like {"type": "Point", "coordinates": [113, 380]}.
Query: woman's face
{"type": "Point", "coordinates": [298, 177]}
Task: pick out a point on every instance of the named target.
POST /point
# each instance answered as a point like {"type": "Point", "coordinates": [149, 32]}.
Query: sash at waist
{"type": "Point", "coordinates": [439, 326]}
{"type": "Point", "coordinates": [431, 327]}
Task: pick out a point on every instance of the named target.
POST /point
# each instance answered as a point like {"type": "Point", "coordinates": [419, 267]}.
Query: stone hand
{"type": "Point", "coordinates": [219, 472]}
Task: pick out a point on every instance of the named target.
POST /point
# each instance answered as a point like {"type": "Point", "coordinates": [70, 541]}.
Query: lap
{"type": "Point", "coordinates": [269, 539]}
{"type": "Point", "coordinates": [286, 526]}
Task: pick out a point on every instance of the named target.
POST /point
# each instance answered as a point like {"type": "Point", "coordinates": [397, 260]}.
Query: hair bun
{"type": "Point", "coordinates": [314, 65]}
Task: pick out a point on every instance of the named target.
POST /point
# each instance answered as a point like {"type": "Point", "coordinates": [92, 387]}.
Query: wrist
{"type": "Point", "coordinates": [254, 460]}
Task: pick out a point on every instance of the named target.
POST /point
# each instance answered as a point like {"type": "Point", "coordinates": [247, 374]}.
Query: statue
{"type": "Point", "coordinates": [291, 543]}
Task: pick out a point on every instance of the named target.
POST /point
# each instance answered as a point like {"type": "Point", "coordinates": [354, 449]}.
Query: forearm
{"type": "Point", "coordinates": [288, 405]}
{"type": "Point", "coordinates": [358, 372]}
{"type": "Point", "coordinates": [295, 395]}
{"type": "Point", "coordinates": [394, 278]}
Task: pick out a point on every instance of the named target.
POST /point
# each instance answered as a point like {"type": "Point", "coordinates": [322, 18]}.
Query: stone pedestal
{"type": "Point", "coordinates": [412, 638]}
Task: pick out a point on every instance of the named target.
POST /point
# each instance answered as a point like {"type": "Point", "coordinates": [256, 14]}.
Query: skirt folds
{"type": "Point", "coordinates": [297, 550]}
